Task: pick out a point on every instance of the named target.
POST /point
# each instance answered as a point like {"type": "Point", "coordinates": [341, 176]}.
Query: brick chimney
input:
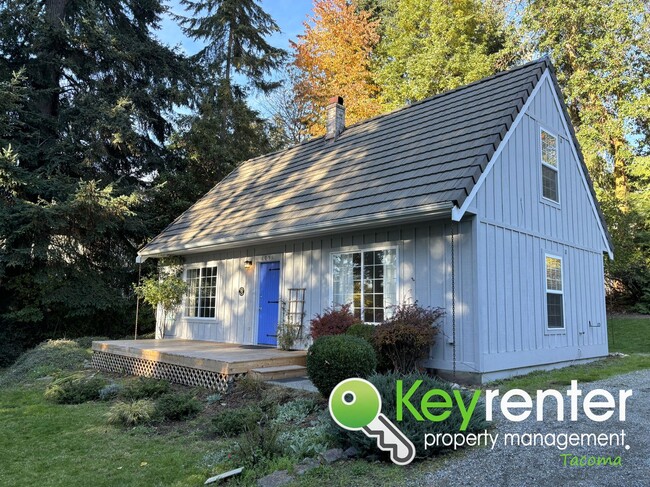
{"type": "Point", "coordinates": [335, 118]}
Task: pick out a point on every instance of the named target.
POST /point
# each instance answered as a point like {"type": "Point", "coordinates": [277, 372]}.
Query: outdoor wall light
{"type": "Point", "coordinates": [248, 264]}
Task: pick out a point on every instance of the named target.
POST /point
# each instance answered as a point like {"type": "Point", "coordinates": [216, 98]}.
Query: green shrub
{"type": "Point", "coordinates": [250, 386]}
{"type": "Point", "coordinates": [213, 398]}
{"type": "Point", "coordinates": [294, 411]}
{"type": "Point", "coordinates": [234, 422]}
{"type": "Point", "coordinates": [87, 342]}
{"type": "Point", "coordinates": [413, 429]}
{"type": "Point", "coordinates": [110, 391]}
{"type": "Point", "coordinates": [306, 442]}
{"type": "Point", "coordinates": [75, 389]}
{"type": "Point", "coordinates": [177, 407]}
{"type": "Point", "coordinates": [361, 330]}
{"type": "Point", "coordinates": [50, 357]}
{"type": "Point", "coordinates": [406, 338]}
{"type": "Point", "coordinates": [145, 388]}
{"type": "Point", "coordinates": [367, 332]}
{"type": "Point", "coordinates": [332, 359]}
{"type": "Point", "coordinates": [333, 321]}
{"type": "Point", "coordinates": [258, 445]}
{"type": "Point", "coordinates": [131, 413]}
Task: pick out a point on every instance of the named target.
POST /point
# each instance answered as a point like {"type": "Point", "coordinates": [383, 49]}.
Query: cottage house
{"type": "Point", "coordinates": [476, 200]}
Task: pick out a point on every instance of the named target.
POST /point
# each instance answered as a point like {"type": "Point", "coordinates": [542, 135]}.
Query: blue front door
{"type": "Point", "coordinates": [267, 322]}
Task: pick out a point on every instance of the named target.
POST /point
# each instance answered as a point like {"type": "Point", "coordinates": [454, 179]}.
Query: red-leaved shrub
{"type": "Point", "coordinates": [405, 338]}
{"type": "Point", "coordinates": [333, 321]}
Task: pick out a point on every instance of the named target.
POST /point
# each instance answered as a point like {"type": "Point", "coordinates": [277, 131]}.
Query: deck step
{"type": "Point", "coordinates": [279, 372]}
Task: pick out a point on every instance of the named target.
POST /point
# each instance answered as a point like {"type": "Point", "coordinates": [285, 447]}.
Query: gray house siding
{"type": "Point", "coordinates": [465, 163]}
{"type": "Point", "coordinates": [424, 274]}
{"type": "Point", "coordinates": [516, 228]}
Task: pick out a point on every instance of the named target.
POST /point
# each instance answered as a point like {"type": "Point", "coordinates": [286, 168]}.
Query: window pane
{"type": "Point", "coordinates": [549, 183]}
{"type": "Point", "coordinates": [202, 292]}
{"type": "Point", "coordinates": [554, 310]}
{"type": "Point", "coordinates": [553, 274]}
{"type": "Point", "coordinates": [549, 149]}
{"type": "Point", "coordinates": [366, 279]}
{"type": "Point", "coordinates": [192, 299]}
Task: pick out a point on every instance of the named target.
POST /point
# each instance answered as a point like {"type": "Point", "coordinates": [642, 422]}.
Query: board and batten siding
{"type": "Point", "coordinates": [424, 274]}
{"type": "Point", "coordinates": [516, 228]}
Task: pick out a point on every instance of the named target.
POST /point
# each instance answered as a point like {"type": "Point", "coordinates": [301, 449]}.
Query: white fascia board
{"type": "Point", "coordinates": [458, 213]}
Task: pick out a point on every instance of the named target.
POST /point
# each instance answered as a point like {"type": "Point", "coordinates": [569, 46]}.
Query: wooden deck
{"type": "Point", "coordinates": [221, 358]}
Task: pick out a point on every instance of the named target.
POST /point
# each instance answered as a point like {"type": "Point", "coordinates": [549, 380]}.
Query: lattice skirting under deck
{"type": "Point", "coordinates": [160, 370]}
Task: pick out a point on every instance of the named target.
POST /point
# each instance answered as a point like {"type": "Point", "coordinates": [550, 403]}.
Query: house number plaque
{"type": "Point", "coordinates": [241, 291]}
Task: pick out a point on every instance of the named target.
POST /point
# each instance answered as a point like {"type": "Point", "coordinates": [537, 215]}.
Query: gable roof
{"type": "Point", "coordinates": [416, 162]}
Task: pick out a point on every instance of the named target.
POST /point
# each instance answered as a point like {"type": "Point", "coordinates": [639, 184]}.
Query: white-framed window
{"type": "Point", "coordinates": [366, 279]}
{"type": "Point", "coordinates": [550, 168]}
{"type": "Point", "coordinates": [200, 301]}
{"type": "Point", "coordinates": [554, 292]}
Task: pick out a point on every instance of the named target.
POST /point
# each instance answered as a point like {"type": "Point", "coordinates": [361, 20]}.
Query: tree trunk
{"type": "Point", "coordinates": [51, 73]}
{"type": "Point", "coordinates": [620, 178]}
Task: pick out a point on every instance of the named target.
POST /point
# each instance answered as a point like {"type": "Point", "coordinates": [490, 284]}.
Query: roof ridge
{"type": "Point", "coordinates": [542, 60]}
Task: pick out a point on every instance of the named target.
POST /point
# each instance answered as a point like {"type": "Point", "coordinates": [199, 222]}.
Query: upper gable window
{"type": "Point", "coordinates": [549, 167]}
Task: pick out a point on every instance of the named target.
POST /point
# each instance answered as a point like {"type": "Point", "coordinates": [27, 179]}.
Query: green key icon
{"type": "Point", "coordinates": [355, 404]}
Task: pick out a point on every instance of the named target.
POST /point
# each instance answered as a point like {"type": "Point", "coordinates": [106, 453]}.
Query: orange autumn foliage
{"type": "Point", "coordinates": [333, 57]}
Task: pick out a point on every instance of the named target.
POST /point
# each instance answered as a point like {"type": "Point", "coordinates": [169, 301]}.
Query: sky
{"type": "Point", "coordinates": [288, 14]}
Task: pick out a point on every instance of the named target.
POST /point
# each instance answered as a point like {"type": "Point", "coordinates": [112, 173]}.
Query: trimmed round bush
{"type": "Point", "coordinates": [334, 358]}
{"type": "Point", "coordinates": [361, 330]}
{"type": "Point", "coordinates": [413, 429]}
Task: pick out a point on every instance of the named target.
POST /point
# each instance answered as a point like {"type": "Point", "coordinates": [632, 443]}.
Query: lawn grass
{"type": "Point", "coordinates": [46, 444]}
{"type": "Point", "coordinates": [597, 370]}
{"type": "Point", "coordinates": [629, 335]}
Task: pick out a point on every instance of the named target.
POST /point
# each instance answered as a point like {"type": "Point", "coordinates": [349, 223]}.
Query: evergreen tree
{"type": "Point", "coordinates": [236, 59]}
{"type": "Point", "coordinates": [87, 93]}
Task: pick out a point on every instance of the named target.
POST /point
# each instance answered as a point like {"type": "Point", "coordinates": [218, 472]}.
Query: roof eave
{"type": "Point", "coordinates": [394, 217]}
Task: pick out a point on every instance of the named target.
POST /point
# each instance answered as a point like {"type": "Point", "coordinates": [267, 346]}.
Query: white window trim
{"type": "Point", "coordinates": [548, 330]}
{"type": "Point", "coordinates": [201, 265]}
{"type": "Point", "coordinates": [553, 134]}
{"type": "Point", "coordinates": [361, 249]}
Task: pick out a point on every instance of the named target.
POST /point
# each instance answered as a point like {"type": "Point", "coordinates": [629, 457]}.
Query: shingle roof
{"type": "Point", "coordinates": [422, 158]}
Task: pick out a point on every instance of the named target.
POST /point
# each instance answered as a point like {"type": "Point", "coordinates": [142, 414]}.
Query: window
{"type": "Point", "coordinates": [554, 293]}
{"type": "Point", "coordinates": [367, 280]}
{"type": "Point", "coordinates": [201, 292]}
{"type": "Point", "coordinates": [549, 167]}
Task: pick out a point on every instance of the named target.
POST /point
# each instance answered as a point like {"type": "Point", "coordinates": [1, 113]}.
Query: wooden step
{"type": "Point", "coordinates": [279, 372]}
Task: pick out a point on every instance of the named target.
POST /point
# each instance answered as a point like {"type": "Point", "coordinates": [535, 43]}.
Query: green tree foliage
{"type": "Point", "coordinates": [600, 51]}
{"type": "Point", "coordinates": [236, 58]}
{"type": "Point", "coordinates": [234, 32]}
{"type": "Point", "coordinates": [165, 290]}
{"type": "Point", "coordinates": [86, 94]}
{"type": "Point", "coordinates": [429, 46]}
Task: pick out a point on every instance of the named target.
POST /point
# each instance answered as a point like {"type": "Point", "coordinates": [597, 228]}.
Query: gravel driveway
{"type": "Point", "coordinates": [543, 466]}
